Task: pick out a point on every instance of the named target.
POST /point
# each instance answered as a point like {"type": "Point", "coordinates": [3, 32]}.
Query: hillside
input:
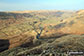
{"type": "Point", "coordinates": [75, 24]}
{"type": "Point", "coordinates": [15, 29]}
{"type": "Point", "coordinates": [54, 45]}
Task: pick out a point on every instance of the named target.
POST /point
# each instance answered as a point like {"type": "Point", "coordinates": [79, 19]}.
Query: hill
{"type": "Point", "coordinates": [56, 46]}
{"type": "Point", "coordinates": [75, 24]}
{"type": "Point", "coordinates": [60, 25]}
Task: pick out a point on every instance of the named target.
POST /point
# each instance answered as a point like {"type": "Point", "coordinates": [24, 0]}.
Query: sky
{"type": "Point", "coordinates": [17, 5]}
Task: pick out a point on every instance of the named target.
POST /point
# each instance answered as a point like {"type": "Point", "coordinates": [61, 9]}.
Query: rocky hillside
{"type": "Point", "coordinates": [49, 46]}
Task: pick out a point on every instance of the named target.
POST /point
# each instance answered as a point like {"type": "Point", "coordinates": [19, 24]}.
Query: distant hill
{"type": "Point", "coordinates": [20, 14]}
{"type": "Point", "coordinates": [75, 24]}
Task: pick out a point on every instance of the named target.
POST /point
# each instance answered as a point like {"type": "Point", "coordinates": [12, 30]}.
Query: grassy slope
{"type": "Point", "coordinates": [78, 26]}
{"type": "Point", "coordinates": [62, 44]}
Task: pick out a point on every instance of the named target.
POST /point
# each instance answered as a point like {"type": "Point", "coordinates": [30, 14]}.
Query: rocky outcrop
{"type": "Point", "coordinates": [4, 44]}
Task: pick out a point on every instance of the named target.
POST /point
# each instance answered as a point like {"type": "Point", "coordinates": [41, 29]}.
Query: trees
{"type": "Point", "coordinates": [37, 27]}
